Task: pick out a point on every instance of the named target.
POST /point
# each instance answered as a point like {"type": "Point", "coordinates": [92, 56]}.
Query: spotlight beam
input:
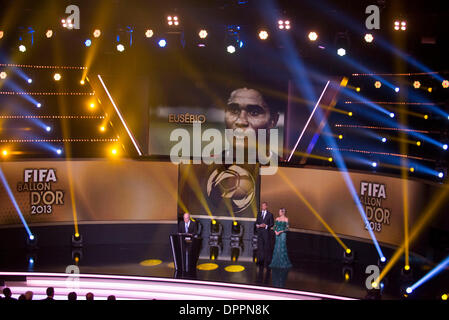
{"type": "Point", "coordinates": [432, 273]}
{"type": "Point", "coordinates": [309, 206]}
{"type": "Point", "coordinates": [14, 202]}
{"type": "Point", "coordinates": [425, 217]}
{"type": "Point", "coordinates": [308, 121]}
{"type": "Point", "coordinates": [120, 116]}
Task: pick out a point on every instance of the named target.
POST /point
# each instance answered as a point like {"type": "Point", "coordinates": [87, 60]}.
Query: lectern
{"type": "Point", "coordinates": [186, 250]}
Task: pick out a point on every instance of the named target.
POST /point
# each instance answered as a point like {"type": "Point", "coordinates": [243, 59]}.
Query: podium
{"type": "Point", "coordinates": [186, 250]}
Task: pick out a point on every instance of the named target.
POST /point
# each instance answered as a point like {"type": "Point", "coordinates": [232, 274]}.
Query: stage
{"type": "Point", "coordinates": [131, 270]}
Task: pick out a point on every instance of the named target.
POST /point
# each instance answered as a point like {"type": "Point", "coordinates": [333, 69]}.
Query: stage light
{"type": "Point", "coordinates": [82, 82]}
{"type": "Point", "coordinates": [330, 159]}
{"type": "Point", "coordinates": [77, 240]}
{"type": "Point", "coordinates": [369, 37]}
{"type": "Point", "coordinates": [202, 34]}
{"type": "Point", "coordinates": [1, 34]}
{"type": "Point", "coordinates": [347, 275]}
{"type": "Point", "coordinates": [263, 35]}
{"type": "Point", "coordinates": [403, 25]}
{"type": "Point", "coordinates": [31, 240]}
{"type": "Point", "coordinates": [22, 48]}
{"type": "Point", "coordinates": [391, 114]}
{"type": "Point", "coordinates": [416, 84]}
{"type": "Point", "coordinates": [88, 42]}
{"type": "Point", "coordinates": [149, 33]}
{"type": "Point", "coordinates": [57, 76]}
{"type": "Point", "coordinates": [38, 105]}
{"type": "Point", "coordinates": [348, 256]}
{"type": "Point", "coordinates": [4, 152]}
{"type": "Point", "coordinates": [341, 52]}
{"type": "Point", "coordinates": [426, 117]}
{"type": "Point", "coordinates": [114, 151]}
{"type": "Point", "coordinates": [340, 136]}
{"type": "Point", "coordinates": [49, 33]}
{"type": "Point", "coordinates": [350, 113]}
{"type": "Point", "coordinates": [29, 80]}
{"type": "Point", "coordinates": [412, 169]}
{"type": "Point", "coordinates": [374, 164]}
{"type": "Point", "coordinates": [48, 128]}
{"type": "Point", "coordinates": [440, 174]}
{"type": "Point", "coordinates": [58, 151]}
{"type": "Point", "coordinates": [377, 84]}
{"type": "Point", "coordinates": [284, 24]}
{"type": "Point", "coordinates": [162, 43]}
{"type": "Point", "coordinates": [172, 21]}
{"type": "Point", "coordinates": [444, 297]}
{"type": "Point", "coordinates": [444, 146]}
{"type": "Point", "coordinates": [3, 75]}
{"type": "Point", "coordinates": [409, 290]}
{"type": "Point", "coordinates": [230, 49]}
{"type": "Point", "coordinates": [357, 89]}
{"type": "Point", "coordinates": [445, 84]}
{"type": "Point", "coordinates": [102, 128]}
{"type": "Point", "coordinates": [120, 47]}
{"type": "Point", "coordinates": [383, 259]}
{"type": "Point", "coordinates": [429, 89]}
{"type": "Point", "coordinates": [407, 268]}
{"type": "Point", "coordinates": [236, 235]}
{"type": "Point", "coordinates": [67, 23]}
{"type": "Point", "coordinates": [396, 89]}
{"type": "Point", "coordinates": [92, 105]}
{"type": "Point", "coordinates": [313, 36]}
{"type": "Point", "coordinates": [418, 143]}
{"type": "Point", "coordinates": [97, 33]}
{"type": "Point", "coordinates": [384, 139]}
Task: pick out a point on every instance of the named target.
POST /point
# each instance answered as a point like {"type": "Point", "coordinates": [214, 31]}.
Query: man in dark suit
{"type": "Point", "coordinates": [264, 223]}
{"type": "Point", "coordinates": [8, 294]}
{"type": "Point", "coordinates": [187, 225]}
{"type": "Point", "coordinates": [50, 293]}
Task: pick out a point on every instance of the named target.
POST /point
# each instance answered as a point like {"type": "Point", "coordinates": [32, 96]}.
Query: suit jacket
{"type": "Point", "coordinates": [192, 227]}
{"type": "Point", "coordinates": [268, 220]}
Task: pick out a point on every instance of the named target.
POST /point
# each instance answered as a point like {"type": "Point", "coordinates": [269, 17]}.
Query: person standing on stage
{"type": "Point", "coordinates": [280, 255]}
{"type": "Point", "coordinates": [187, 225]}
{"type": "Point", "coordinates": [264, 223]}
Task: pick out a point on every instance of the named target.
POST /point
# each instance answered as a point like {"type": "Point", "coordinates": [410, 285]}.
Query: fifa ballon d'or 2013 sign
{"type": "Point", "coordinates": [39, 183]}
{"type": "Point", "coordinates": [372, 195]}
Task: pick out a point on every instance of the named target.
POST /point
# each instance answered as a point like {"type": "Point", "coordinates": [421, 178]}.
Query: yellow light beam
{"type": "Point", "coordinates": [193, 182]}
{"type": "Point", "coordinates": [62, 104]}
{"type": "Point", "coordinates": [424, 219]}
{"type": "Point", "coordinates": [309, 206]}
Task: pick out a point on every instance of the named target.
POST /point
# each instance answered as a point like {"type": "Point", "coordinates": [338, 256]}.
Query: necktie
{"type": "Point", "coordinates": [187, 227]}
{"type": "Point", "coordinates": [263, 214]}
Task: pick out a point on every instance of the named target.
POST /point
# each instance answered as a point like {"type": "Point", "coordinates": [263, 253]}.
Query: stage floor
{"type": "Point", "coordinates": [312, 275]}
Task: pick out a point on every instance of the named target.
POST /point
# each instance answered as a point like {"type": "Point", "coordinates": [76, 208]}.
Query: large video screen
{"type": "Point", "coordinates": [214, 102]}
